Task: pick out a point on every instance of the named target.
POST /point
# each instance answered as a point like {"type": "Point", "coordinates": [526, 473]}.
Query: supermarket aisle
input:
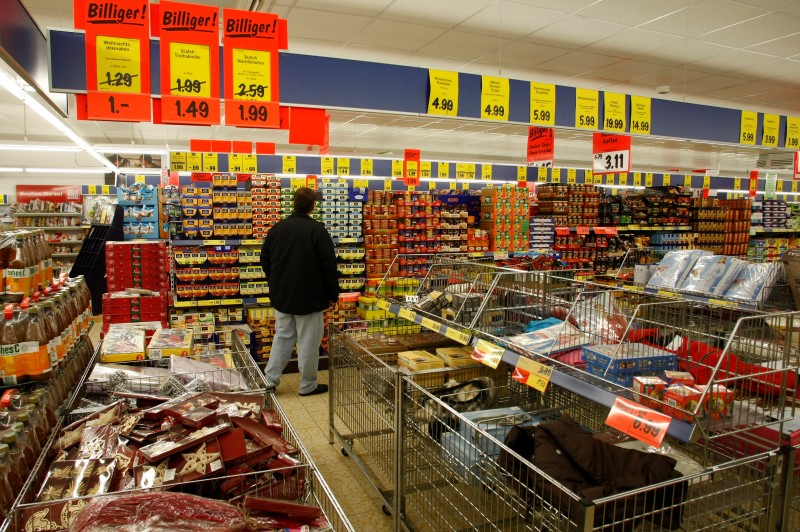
{"type": "Point", "coordinates": [309, 416]}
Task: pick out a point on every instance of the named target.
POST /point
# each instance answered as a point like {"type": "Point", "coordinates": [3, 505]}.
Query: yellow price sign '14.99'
{"type": "Point", "coordinates": [443, 98]}
{"type": "Point", "coordinates": [640, 115]}
{"type": "Point", "coordinates": [494, 98]}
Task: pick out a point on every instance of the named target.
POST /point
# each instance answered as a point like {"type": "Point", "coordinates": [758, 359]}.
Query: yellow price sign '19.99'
{"type": "Point", "coordinates": [614, 111]}
{"type": "Point", "coordinates": [443, 98]}
{"type": "Point", "coordinates": [494, 98]}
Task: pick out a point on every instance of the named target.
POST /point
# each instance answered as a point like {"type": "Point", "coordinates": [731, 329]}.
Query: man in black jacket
{"type": "Point", "coordinates": [300, 265]}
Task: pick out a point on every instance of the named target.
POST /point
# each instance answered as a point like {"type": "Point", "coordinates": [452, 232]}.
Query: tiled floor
{"type": "Point", "coordinates": [309, 417]}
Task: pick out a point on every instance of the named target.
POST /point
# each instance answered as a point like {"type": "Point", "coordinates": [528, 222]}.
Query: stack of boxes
{"type": "Point", "coordinates": [418, 222]}
{"type": "Point", "coordinates": [458, 215]}
{"type": "Point", "coordinates": [342, 216]}
{"type": "Point", "coordinates": [708, 224]}
{"type": "Point", "coordinates": [737, 226]}
{"type": "Point", "coordinates": [197, 211]}
{"type": "Point", "coordinates": [266, 203]}
{"type": "Point", "coordinates": [262, 321]}
{"type": "Point", "coordinates": [543, 231]}
{"type": "Point", "coordinates": [569, 205]}
{"type": "Point", "coordinates": [770, 214]}
{"type": "Point", "coordinates": [134, 307]}
{"type": "Point", "coordinates": [504, 215]}
{"type": "Point", "coordinates": [233, 208]}
{"type": "Point", "coordinates": [137, 265]}
{"type": "Point", "coordinates": [380, 234]}
{"type": "Point", "coordinates": [141, 211]}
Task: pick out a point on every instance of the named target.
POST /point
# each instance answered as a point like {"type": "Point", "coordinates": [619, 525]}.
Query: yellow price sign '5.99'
{"type": "Point", "coordinates": [543, 104]}
{"type": "Point", "coordinates": [443, 98]}
{"type": "Point", "coordinates": [586, 108]}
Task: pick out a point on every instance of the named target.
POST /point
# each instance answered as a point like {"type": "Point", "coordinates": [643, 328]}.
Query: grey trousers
{"type": "Point", "coordinates": [307, 331]}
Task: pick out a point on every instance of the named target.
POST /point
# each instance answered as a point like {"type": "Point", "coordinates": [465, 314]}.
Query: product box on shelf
{"type": "Point", "coordinates": [170, 342]}
{"type": "Point", "coordinates": [123, 345]}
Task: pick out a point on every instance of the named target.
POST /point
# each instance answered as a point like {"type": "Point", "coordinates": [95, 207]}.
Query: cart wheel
{"type": "Point", "coordinates": [344, 452]}
{"type": "Point", "coordinates": [386, 510]}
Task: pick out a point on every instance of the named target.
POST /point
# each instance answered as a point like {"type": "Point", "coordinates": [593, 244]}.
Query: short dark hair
{"type": "Point", "coordinates": [304, 200]}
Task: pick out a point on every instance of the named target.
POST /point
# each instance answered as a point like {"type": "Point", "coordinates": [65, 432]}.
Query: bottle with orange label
{"type": "Point", "coordinates": [18, 281]}
{"type": "Point", "coordinates": [11, 366]}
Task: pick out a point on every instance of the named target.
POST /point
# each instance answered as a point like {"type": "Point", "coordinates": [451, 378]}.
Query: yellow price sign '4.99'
{"type": "Point", "coordinates": [443, 98]}
{"type": "Point", "coordinates": [494, 98]}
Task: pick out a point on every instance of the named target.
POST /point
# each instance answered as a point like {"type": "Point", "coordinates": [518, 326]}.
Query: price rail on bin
{"type": "Point", "coordinates": [678, 429]}
{"type": "Point", "coordinates": [459, 336]}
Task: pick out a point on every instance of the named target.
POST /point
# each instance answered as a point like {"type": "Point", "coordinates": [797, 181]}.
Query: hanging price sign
{"type": "Point", "coordinates": [612, 153]}
{"type": "Point", "coordinates": [465, 171]}
{"type": "Point", "coordinates": [532, 373]}
{"type": "Point", "coordinates": [443, 170]}
{"type": "Point", "coordinates": [117, 60]}
{"type": "Point", "coordinates": [487, 353]}
{"type": "Point", "coordinates": [326, 166]}
{"type": "Point", "coordinates": [648, 179]}
{"type": "Point", "coordinates": [443, 96]}
{"type": "Point", "coordinates": [177, 161]}
{"type": "Point", "coordinates": [486, 172]}
{"type": "Point", "coordinates": [769, 136]}
{"type": "Point", "coordinates": [587, 102]}
{"type": "Point", "coordinates": [210, 162]}
{"type": "Point", "coordinates": [623, 179]}
{"type": "Point", "coordinates": [637, 179]}
{"type": "Point", "coordinates": [610, 179]}
{"type": "Point", "coordinates": [343, 166]}
{"type": "Point", "coordinates": [541, 175]}
{"type": "Point", "coordinates": [666, 180]}
{"type": "Point", "coordinates": [494, 98]}
{"type": "Point", "coordinates": [397, 169]}
{"type": "Point", "coordinates": [411, 160]}
{"type": "Point", "coordinates": [194, 162]}
{"type": "Point", "coordinates": [615, 111]}
{"type": "Point", "coordinates": [189, 64]}
{"type": "Point", "coordinates": [748, 128]}
{"type": "Point", "coordinates": [250, 163]}
{"type": "Point", "coordinates": [250, 43]}
{"type": "Point", "coordinates": [543, 103]}
{"type": "Point", "coordinates": [367, 167]}
{"type": "Point", "coordinates": [638, 421]}
{"type": "Point", "coordinates": [796, 165]}
{"type": "Point", "coordinates": [289, 164]}
{"type": "Point", "coordinates": [235, 162]}
{"type": "Point", "coordinates": [425, 169]}
{"type": "Point", "coordinates": [387, 184]}
{"type": "Point", "coordinates": [640, 115]}
{"type": "Point", "coordinates": [541, 146]}
{"type": "Point", "coordinates": [312, 182]}
{"type": "Point", "coordinates": [572, 176]}
{"type": "Point", "coordinates": [522, 176]}
{"type": "Point", "coordinates": [753, 189]}
{"type": "Point", "coordinates": [792, 132]}
{"type": "Point", "coordinates": [687, 181]}
{"type": "Point", "coordinates": [737, 183]}
{"type": "Point", "coordinates": [555, 175]}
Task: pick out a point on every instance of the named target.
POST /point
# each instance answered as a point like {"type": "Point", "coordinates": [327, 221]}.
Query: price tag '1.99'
{"type": "Point", "coordinates": [638, 421]}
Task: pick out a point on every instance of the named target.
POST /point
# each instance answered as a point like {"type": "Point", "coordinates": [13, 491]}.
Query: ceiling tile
{"type": "Point", "coordinates": [704, 17]}
{"type": "Point", "coordinates": [770, 4]}
{"type": "Point", "coordinates": [464, 45]}
{"type": "Point", "coordinates": [754, 31]}
{"type": "Point", "coordinates": [790, 78]}
{"type": "Point", "coordinates": [567, 6]}
{"type": "Point", "coordinates": [527, 54]}
{"type": "Point", "coordinates": [792, 9]}
{"type": "Point", "coordinates": [729, 61]}
{"type": "Point", "coordinates": [510, 19]}
{"type": "Point", "coordinates": [575, 63]}
{"type": "Point", "coordinates": [353, 7]}
{"type": "Point", "coordinates": [712, 83]}
{"type": "Point", "coordinates": [398, 35]}
{"type": "Point", "coordinates": [632, 12]}
{"type": "Point", "coordinates": [634, 42]}
{"type": "Point", "coordinates": [781, 47]}
{"type": "Point", "coordinates": [745, 90]}
{"type": "Point", "coordinates": [575, 32]}
{"type": "Point", "coordinates": [444, 13]}
{"type": "Point", "coordinates": [771, 69]}
{"type": "Point", "coordinates": [626, 70]}
{"type": "Point", "coordinates": [689, 51]}
{"type": "Point", "coordinates": [313, 24]}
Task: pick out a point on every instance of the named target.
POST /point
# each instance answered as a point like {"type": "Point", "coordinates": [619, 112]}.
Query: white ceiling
{"type": "Point", "coordinates": [734, 53]}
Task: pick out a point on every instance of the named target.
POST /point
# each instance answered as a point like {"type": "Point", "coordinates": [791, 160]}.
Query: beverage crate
{"type": "Point", "coordinates": [621, 362]}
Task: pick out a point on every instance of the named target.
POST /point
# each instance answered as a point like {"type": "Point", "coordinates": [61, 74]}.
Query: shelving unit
{"type": "Point", "coordinates": [36, 220]}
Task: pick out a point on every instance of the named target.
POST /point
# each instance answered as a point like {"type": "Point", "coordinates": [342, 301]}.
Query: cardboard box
{"type": "Point", "coordinates": [650, 388]}
{"type": "Point", "coordinates": [168, 342]}
{"type": "Point", "coordinates": [718, 402]}
{"type": "Point", "coordinates": [682, 401]}
{"type": "Point", "coordinates": [679, 377]}
{"type": "Point", "coordinates": [123, 345]}
{"type": "Point", "coordinates": [456, 357]}
{"type": "Point", "coordinates": [419, 360]}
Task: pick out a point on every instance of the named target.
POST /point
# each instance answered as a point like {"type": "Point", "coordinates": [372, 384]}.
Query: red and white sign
{"type": "Point", "coordinates": [411, 160]}
{"type": "Point", "coordinates": [250, 42]}
{"type": "Point", "coordinates": [541, 146]}
{"type": "Point", "coordinates": [117, 60]}
{"type": "Point", "coordinates": [796, 174]}
{"type": "Point", "coordinates": [612, 153]}
{"type": "Point", "coordinates": [189, 36]}
{"type": "Point", "coordinates": [753, 188]}
{"type": "Point", "coordinates": [53, 193]}
{"type": "Point", "coordinates": [638, 421]}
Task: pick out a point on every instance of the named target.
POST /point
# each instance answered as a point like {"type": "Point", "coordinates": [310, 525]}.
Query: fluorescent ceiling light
{"type": "Point", "coordinates": [66, 170]}
{"type": "Point", "coordinates": [13, 87]}
{"type": "Point", "coordinates": [39, 147]}
{"type": "Point", "coordinates": [11, 169]}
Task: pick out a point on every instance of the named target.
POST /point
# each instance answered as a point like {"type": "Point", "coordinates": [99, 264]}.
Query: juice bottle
{"type": "Point", "coordinates": [47, 263]}
{"type": "Point", "coordinates": [9, 347]}
{"type": "Point", "coordinates": [86, 301]}
{"type": "Point", "coordinates": [6, 254]}
{"type": "Point", "coordinates": [72, 290]}
{"type": "Point", "coordinates": [39, 368]}
{"type": "Point", "coordinates": [27, 454]}
{"type": "Point", "coordinates": [18, 281]}
{"type": "Point", "coordinates": [7, 493]}
{"type": "Point", "coordinates": [8, 470]}
{"type": "Point", "coordinates": [50, 329]}
{"type": "Point", "coordinates": [44, 401]}
{"type": "Point", "coordinates": [61, 324]}
{"type": "Point", "coordinates": [23, 418]}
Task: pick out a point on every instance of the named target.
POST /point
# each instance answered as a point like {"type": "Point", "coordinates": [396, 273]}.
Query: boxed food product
{"type": "Point", "coordinates": [682, 401]}
{"type": "Point", "coordinates": [679, 377]}
{"type": "Point", "coordinates": [718, 401]}
{"type": "Point", "coordinates": [419, 360]}
{"type": "Point", "coordinates": [170, 342]}
{"type": "Point", "coordinates": [650, 388]}
{"type": "Point", "coordinates": [123, 345]}
{"type": "Point", "coordinates": [456, 357]}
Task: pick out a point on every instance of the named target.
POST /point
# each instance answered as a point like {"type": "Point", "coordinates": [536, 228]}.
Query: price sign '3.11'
{"type": "Point", "coordinates": [117, 60]}
{"type": "Point", "coordinates": [612, 153]}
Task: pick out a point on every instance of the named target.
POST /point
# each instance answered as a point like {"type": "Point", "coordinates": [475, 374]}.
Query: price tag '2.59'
{"type": "Point", "coordinates": [638, 421]}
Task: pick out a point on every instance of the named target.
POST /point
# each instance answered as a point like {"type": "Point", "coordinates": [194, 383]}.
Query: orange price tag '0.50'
{"type": "Point", "coordinates": [638, 421]}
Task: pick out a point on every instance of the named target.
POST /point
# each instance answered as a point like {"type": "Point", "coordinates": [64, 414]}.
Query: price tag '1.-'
{"type": "Point", "coordinates": [638, 421]}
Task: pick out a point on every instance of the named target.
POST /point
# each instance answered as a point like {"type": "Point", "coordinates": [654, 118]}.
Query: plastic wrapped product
{"type": "Point", "coordinates": [159, 511]}
{"type": "Point", "coordinates": [735, 267]}
{"type": "Point", "coordinates": [710, 272]}
{"type": "Point", "coordinates": [674, 268]}
{"type": "Point", "coordinates": [753, 283]}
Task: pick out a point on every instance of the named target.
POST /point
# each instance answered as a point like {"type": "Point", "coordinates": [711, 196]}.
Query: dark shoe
{"type": "Point", "coordinates": [321, 388]}
{"type": "Point", "coordinates": [270, 389]}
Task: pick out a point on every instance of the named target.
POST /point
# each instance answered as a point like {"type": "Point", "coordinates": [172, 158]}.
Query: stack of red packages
{"type": "Point", "coordinates": [133, 306]}
{"type": "Point", "coordinates": [137, 265]}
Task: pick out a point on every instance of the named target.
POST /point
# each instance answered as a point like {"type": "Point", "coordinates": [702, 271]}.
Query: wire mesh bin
{"type": "Point", "coordinates": [285, 470]}
{"type": "Point", "coordinates": [467, 479]}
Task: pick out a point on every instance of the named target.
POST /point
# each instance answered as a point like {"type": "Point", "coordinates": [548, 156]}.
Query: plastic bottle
{"type": "Point", "coordinates": [74, 299]}
{"type": "Point", "coordinates": [7, 493]}
{"type": "Point", "coordinates": [25, 446]}
{"type": "Point", "coordinates": [23, 417]}
{"type": "Point", "coordinates": [8, 350]}
{"type": "Point", "coordinates": [39, 368]}
{"type": "Point", "coordinates": [86, 301]}
{"type": "Point", "coordinates": [6, 254]}
{"type": "Point", "coordinates": [18, 281]}
{"type": "Point", "coordinates": [39, 414]}
{"type": "Point", "coordinates": [47, 263]}
{"type": "Point", "coordinates": [61, 323]}
{"type": "Point", "coordinates": [51, 330]}
{"type": "Point", "coordinates": [7, 469]}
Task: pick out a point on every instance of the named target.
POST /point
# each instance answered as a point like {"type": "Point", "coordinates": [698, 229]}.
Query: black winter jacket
{"type": "Point", "coordinates": [300, 265]}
